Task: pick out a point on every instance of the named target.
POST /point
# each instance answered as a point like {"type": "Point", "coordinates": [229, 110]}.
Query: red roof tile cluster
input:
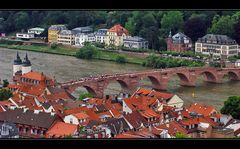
{"type": "Point", "coordinates": [203, 109]}
{"type": "Point", "coordinates": [140, 102]}
{"type": "Point", "coordinates": [172, 127]}
{"type": "Point", "coordinates": [61, 129]}
{"type": "Point", "coordinates": [119, 30]}
{"type": "Point", "coordinates": [35, 76]}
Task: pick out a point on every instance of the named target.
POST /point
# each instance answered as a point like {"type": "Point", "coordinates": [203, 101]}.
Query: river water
{"type": "Point", "coordinates": [66, 68]}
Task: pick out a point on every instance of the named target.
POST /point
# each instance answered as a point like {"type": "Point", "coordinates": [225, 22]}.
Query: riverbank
{"type": "Point", "coordinates": [102, 55]}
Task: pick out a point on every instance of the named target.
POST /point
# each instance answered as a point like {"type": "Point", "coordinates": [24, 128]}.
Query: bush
{"type": "Point", "coordinates": [84, 95]}
{"type": "Point", "coordinates": [86, 52]}
{"type": "Point", "coordinates": [54, 45]}
{"type": "Point", "coordinates": [161, 62]}
{"type": "Point", "coordinates": [5, 94]}
{"type": "Point", "coordinates": [121, 59]}
{"type": "Point", "coordinates": [9, 42]}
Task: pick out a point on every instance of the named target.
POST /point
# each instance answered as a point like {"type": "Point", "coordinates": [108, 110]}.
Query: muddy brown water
{"type": "Point", "coordinates": [66, 68]}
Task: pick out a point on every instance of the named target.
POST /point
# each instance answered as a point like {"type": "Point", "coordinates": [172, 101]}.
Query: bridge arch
{"type": "Point", "coordinates": [232, 75]}
{"type": "Point", "coordinates": [208, 76]}
{"type": "Point", "coordinates": [155, 83]}
{"type": "Point", "coordinates": [118, 82]}
{"type": "Point", "coordinates": [82, 89]}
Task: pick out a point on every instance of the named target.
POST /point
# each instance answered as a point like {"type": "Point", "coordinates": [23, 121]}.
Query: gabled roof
{"type": "Point", "coordinates": [172, 127]}
{"type": "Point", "coordinates": [117, 125]}
{"type": "Point", "coordinates": [35, 76]}
{"type": "Point", "coordinates": [119, 30]}
{"type": "Point", "coordinates": [61, 129]}
{"type": "Point", "coordinates": [81, 115]}
{"type": "Point", "coordinates": [199, 108]}
{"type": "Point", "coordinates": [18, 116]}
{"type": "Point", "coordinates": [136, 119]}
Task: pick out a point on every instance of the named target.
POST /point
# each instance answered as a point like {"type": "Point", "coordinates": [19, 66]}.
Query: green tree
{"type": "Point", "coordinates": [5, 94]}
{"type": "Point", "coordinates": [195, 28]}
{"type": "Point", "coordinates": [232, 107]}
{"type": "Point", "coordinates": [130, 25]}
{"type": "Point", "coordinates": [181, 135]}
{"type": "Point", "coordinates": [172, 20]}
{"type": "Point", "coordinates": [5, 83]}
{"type": "Point", "coordinates": [86, 52]}
{"type": "Point", "coordinates": [222, 25]}
{"type": "Point", "coordinates": [84, 95]}
{"type": "Point", "coordinates": [22, 20]}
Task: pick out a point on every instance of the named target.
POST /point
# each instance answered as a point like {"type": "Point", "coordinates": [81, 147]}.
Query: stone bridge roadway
{"type": "Point", "coordinates": [159, 79]}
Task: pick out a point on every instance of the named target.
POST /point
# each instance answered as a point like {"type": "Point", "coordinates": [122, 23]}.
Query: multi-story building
{"type": "Point", "coordinates": [53, 31]}
{"type": "Point", "coordinates": [217, 46]}
{"type": "Point", "coordinates": [66, 37]}
{"type": "Point", "coordinates": [115, 35]}
{"type": "Point", "coordinates": [178, 42]}
{"type": "Point", "coordinates": [81, 38]}
{"type": "Point", "coordinates": [135, 42]}
{"type": "Point", "coordinates": [101, 35]}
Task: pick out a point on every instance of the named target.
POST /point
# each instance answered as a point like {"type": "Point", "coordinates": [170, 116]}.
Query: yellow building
{"type": "Point", "coordinates": [53, 31]}
{"type": "Point", "coordinates": [116, 34]}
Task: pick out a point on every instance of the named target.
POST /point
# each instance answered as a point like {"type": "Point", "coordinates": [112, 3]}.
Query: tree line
{"type": "Point", "coordinates": [152, 25]}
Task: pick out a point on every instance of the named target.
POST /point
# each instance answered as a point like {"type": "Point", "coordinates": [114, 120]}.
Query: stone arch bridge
{"type": "Point", "coordinates": [158, 77]}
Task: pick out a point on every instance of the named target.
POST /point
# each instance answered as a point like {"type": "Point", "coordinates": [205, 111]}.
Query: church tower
{"type": "Point", "coordinates": [26, 65]}
{"type": "Point", "coordinates": [17, 64]}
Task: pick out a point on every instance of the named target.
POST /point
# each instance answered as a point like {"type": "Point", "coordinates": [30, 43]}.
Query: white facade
{"type": "Point", "coordinates": [101, 38]}
{"type": "Point", "coordinates": [216, 50]}
{"type": "Point", "coordinates": [71, 119]}
{"type": "Point", "coordinates": [81, 38]}
{"type": "Point", "coordinates": [16, 68]}
{"type": "Point", "coordinates": [135, 42]}
{"type": "Point", "coordinates": [126, 109]}
{"type": "Point", "coordinates": [26, 69]}
{"type": "Point", "coordinates": [24, 36]}
{"type": "Point", "coordinates": [175, 101]}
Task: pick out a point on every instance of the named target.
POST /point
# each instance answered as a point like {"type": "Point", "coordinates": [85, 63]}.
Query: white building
{"type": "Point", "coordinates": [25, 36]}
{"type": "Point", "coordinates": [81, 38]}
{"type": "Point", "coordinates": [101, 35]}
{"type": "Point", "coordinates": [135, 42]}
{"type": "Point", "coordinates": [77, 119]}
{"type": "Point", "coordinates": [36, 30]}
{"type": "Point", "coordinates": [217, 46]}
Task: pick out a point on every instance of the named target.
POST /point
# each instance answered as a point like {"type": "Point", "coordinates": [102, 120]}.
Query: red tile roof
{"type": "Point", "coordinates": [81, 115]}
{"type": "Point", "coordinates": [149, 113]}
{"type": "Point", "coordinates": [61, 129]}
{"type": "Point", "coordinates": [35, 76]}
{"type": "Point", "coordinates": [162, 95]}
{"type": "Point", "coordinates": [75, 110]}
{"type": "Point", "coordinates": [203, 109]}
{"type": "Point", "coordinates": [118, 29]}
{"type": "Point", "coordinates": [140, 102]}
{"type": "Point", "coordinates": [172, 127]}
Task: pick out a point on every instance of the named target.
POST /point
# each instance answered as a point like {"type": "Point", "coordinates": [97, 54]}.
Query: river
{"type": "Point", "coordinates": [66, 68]}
